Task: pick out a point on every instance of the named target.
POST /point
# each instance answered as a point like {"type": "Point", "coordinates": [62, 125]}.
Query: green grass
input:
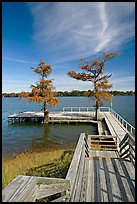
{"type": "Point", "coordinates": [51, 164]}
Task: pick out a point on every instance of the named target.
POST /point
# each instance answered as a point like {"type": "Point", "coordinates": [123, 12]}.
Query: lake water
{"type": "Point", "coordinates": [23, 136]}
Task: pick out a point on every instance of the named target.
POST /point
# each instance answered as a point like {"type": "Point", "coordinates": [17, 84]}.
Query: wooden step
{"type": "Point", "coordinates": [103, 148]}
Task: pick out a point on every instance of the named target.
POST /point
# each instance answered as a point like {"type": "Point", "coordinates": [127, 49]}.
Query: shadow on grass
{"type": "Point", "coordinates": [58, 168]}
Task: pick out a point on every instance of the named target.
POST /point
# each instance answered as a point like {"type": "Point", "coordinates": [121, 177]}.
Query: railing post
{"type": "Point", "coordinates": [86, 145]}
{"type": "Point", "coordinates": [126, 125]}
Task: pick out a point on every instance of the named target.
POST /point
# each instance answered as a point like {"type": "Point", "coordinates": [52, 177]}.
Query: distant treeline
{"type": "Point", "coordinates": [77, 93]}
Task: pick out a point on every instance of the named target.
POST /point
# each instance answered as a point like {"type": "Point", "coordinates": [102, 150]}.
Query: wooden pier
{"type": "Point", "coordinates": [54, 117]}
{"type": "Point", "coordinates": [102, 169]}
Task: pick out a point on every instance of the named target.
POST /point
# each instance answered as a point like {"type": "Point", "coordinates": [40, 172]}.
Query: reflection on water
{"type": "Point", "coordinates": [22, 136]}
{"type": "Point", "coordinates": [37, 137]}
{"type": "Point", "coordinates": [44, 140]}
{"type": "Point", "coordinates": [61, 135]}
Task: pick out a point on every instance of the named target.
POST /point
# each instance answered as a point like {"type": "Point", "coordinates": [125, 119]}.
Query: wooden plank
{"type": "Point", "coordinates": [48, 180]}
{"type": "Point", "coordinates": [83, 192]}
{"type": "Point", "coordinates": [102, 136]}
{"type": "Point", "coordinates": [19, 189]}
{"type": "Point", "coordinates": [90, 182]}
{"type": "Point", "coordinates": [46, 190]}
{"type": "Point", "coordinates": [64, 198]}
{"type": "Point", "coordinates": [100, 128]}
{"type": "Point", "coordinates": [97, 181]}
{"type": "Point", "coordinates": [132, 147]}
{"type": "Point", "coordinates": [31, 197]}
{"type": "Point", "coordinates": [114, 126]}
{"type": "Point", "coordinates": [104, 190]}
{"type": "Point", "coordinates": [124, 140]}
{"type": "Point", "coordinates": [105, 149]}
{"type": "Point", "coordinates": [124, 147]}
{"type": "Point", "coordinates": [102, 141]}
{"type": "Point", "coordinates": [102, 145]}
{"type": "Point", "coordinates": [117, 187]}
{"type": "Point", "coordinates": [132, 157]}
{"type": "Point", "coordinates": [72, 172]}
{"type": "Point", "coordinates": [102, 153]}
{"type": "Point", "coordinates": [124, 153]}
{"type": "Point", "coordinates": [106, 158]}
{"type": "Point", "coordinates": [123, 180]}
{"type": "Point", "coordinates": [24, 188]}
{"type": "Point", "coordinates": [108, 180]}
{"type": "Point", "coordinates": [75, 196]}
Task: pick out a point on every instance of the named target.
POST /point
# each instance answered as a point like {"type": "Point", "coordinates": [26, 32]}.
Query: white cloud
{"type": "Point", "coordinates": [124, 79]}
{"type": "Point", "coordinates": [69, 30]}
{"type": "Point", "coordinates": [18, 60]}
{"type": "Point", "coordinates": [65, 83]}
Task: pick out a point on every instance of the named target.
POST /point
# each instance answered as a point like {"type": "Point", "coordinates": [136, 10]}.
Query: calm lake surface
{"type": "Point", "coordinates": [17, 138]}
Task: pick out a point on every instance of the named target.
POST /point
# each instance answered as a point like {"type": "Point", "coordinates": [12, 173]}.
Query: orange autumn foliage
{"type": "Point", "coordinates": [94, 73]}
{"type": "Point", "coordinates": [43, 91]}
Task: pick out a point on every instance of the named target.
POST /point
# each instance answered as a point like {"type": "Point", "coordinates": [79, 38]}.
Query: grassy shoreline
{"type": "Point", "coordinates": [50, 163]}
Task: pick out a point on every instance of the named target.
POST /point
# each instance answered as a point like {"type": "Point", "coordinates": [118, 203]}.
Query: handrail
{"type": "Point", "coordinates": [129, 128]}
{"type": "Point", "coordinates": [78, 109]}
{"type": "Point", "coordinates": [28, 188]}
{"type": "Point", "coordinates": [127, 148]}
{"type": "Point", "coordinates": [78, 158]}
{"type": "Point", "coordinates": [123, 122]}
{"type": "Point", "coordinates": [86, 108]}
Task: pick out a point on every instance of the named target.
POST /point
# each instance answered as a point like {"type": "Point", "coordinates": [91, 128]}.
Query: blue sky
{"type": "Point", "coordinates": [61, 33]}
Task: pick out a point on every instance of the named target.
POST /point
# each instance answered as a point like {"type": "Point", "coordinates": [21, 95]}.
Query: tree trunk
{"type": "Point", "coordinates": [96, 111]}
{"type": "Point", "coordinates": [46, 114]}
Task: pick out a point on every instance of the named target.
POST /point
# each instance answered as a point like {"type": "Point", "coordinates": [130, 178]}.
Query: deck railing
{"type": "Point", "coordinates": [84, 109]}
{"type": "Point", "coordinates": [78, 109]}
{"type": "Point", "coordinates": [127, 148]}
{"type": "Point", "coordinates": [121, 120]}
{"type": "Point", "coordinates": [74, 173]}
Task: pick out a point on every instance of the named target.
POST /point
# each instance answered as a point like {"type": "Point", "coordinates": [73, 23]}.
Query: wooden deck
{"type": "Point", "coordinates": [54, 117]}
{"type": "Point", "coordinates": [105, 179]}
{"type": "Point", "coordinates": [103, 176]}
{"type": "Point", "coordinates": [114, 126]}
{"type": "Point", "coordinates": [102, 168]}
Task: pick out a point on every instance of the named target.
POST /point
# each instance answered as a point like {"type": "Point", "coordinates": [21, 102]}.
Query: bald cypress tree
{"type": "Point", "coordinates": [43, 91]}
{"type": "Point", "coordinates": [94, 72]}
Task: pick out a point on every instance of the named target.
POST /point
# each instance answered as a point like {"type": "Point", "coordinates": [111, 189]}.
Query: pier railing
{"type": "Point", "coordinates": [78, 109]}
{"type": "Point", "coordinates": [121, 120]}
{"type": "Point", "coordinates": [127, 148]}
{"type": "Point", "coordinates": [84, 109]}
{"type": "Point", "coordinates": [74, 174]}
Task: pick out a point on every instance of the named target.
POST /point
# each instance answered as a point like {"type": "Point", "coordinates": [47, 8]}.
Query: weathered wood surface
{"type": "Point", "coordinates": [101, 177]}
{"type": "Point", "coordinates": [22, 188]}
{"type": "Point", "coordinates": [106, 180]}
{"type": "Point", "coordinates": [114, 126]}
{"type": "Point", "coordinates": [103, 142]}
{"type": "Point", "coordinates": [74, 169]}
{"type": "Point", "coordinates": [127, 148]}
{"type": "Point", "coordinates": [54, 115]}
{"type": "Point", "coordinates": [31, 188]}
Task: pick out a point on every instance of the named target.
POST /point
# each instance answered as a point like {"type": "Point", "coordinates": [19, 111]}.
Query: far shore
{"type": "Point", "coordinates": [76, 93]}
